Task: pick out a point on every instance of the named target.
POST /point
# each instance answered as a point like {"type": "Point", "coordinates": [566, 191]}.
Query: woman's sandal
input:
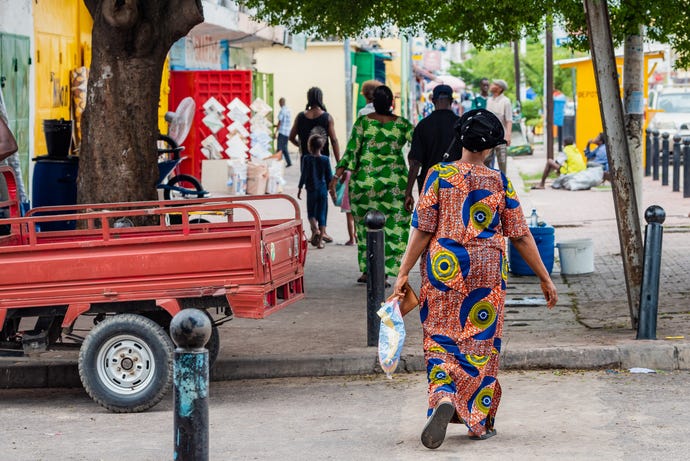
{"type": "Point", "coordinates": [435, 429]}
{"type": "Point", "coordinates": [315, 240]}
{"type": "Point", "coordinates": [487, 435]}
{"type": "Point", "coordinates": [327, 238]}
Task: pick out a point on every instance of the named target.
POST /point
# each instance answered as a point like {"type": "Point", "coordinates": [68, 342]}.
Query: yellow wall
{"type": "Point", "coordinates": [62, 30]}
{"type": "Point", "coordinates": [63, 42]}
{"type": "Point", "coordinates": [294, 72]}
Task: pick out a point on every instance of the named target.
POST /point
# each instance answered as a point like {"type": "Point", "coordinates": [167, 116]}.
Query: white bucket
{"type": "Point", "coordinates": [577, 256]}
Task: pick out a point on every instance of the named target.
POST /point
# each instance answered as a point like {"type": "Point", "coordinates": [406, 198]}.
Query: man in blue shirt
{"type": "Point", "coordinates": [283, 130]}
{"type": "Point", "coordinates": [598, 155]}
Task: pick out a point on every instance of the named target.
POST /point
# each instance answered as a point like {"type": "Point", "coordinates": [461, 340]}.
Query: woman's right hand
{"type": "Point", "coordinates": [399, 287]}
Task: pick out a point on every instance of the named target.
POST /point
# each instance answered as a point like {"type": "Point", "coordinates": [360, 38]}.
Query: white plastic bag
{"type": "Point", "coordinates": [391, 336]}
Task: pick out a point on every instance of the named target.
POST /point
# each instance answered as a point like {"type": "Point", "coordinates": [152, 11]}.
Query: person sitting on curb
{"type": "Point", "coordinates": [598, 155]}
{"type": "Point", "coordinates": [569, 161]}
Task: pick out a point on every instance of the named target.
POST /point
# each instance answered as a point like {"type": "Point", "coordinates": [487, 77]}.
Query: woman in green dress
{"type": "Point", "coordinates": [375, 158]}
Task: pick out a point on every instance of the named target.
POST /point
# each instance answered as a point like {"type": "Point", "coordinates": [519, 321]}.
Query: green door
{"type": "Point", "coordinates": [15, 58]}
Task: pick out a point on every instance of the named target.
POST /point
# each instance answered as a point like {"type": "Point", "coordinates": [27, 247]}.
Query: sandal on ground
{"type": "Point", "coordinates": [315, 239]}
{"type": "Point", "coordinates": [327, 238]}
{"type": "Point", "coordinates": [435, 429]}
{"type": "Point", "coordinates": [362, 278]}
{"type": "Point", "coordinates": [487, 435]}
{"type": "Point", "coordinates": [321, 246]}
{"type": "Point", "coordinates": [537, 187]}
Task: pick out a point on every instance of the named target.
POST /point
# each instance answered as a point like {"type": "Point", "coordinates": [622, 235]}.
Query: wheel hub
{"type": "Point", "coordinates": [125, 364]}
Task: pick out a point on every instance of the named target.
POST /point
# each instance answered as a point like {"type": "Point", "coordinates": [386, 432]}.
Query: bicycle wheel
{"type": "Point", "coordinates": [183, 186]}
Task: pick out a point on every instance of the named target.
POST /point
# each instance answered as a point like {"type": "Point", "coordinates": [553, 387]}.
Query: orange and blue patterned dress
{"type": "Point", "coordinates": [469, 209]}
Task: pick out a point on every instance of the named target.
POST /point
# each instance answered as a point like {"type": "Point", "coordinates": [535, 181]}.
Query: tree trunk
{"type": "Point", "coordinates": [130, 40]}
{"type": "Point", "coordinates": [633, 96]}
{"type": "Point", "coordinates": [606, 75]}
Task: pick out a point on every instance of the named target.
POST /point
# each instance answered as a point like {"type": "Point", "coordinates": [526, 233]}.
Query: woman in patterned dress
{"type": "Point", "coordinates": [378, 177]}
{"type": "Point", "coordinates": [464, 212]}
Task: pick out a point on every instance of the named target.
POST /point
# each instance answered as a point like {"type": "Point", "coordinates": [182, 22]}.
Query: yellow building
{"type": "Point", "coordinates": [588, 116]}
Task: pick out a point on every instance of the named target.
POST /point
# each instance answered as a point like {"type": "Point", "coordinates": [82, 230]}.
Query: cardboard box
{"type": "Point", "coordinates": [214, 176]}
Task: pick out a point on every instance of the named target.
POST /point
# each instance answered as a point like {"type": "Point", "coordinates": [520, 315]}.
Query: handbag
{"type": "Point", "coordinates": [408, 302]}
{"type": "Point", "coordinates": [339, 192]}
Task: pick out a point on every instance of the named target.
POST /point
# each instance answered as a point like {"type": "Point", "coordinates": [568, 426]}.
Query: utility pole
{"type": "Point", "coordinates": [627, 216]}
{"type": "Point", "coordinates": [516, 59]}
{"type": "Point", "coordinates": [348, 87]}
{"type": "Point", "coordinates": [548, 76]}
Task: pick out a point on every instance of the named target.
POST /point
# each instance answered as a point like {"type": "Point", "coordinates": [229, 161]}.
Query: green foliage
{"type": "Point", "coordinates": [485, 24]}
{"type": "Point", "coordinates": [498, 63]}
{"type": "Point", "coordinates": [530, 109]}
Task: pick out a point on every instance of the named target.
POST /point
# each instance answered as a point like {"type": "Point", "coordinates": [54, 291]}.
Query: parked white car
{"type": "Point", "coordinates": [673, 106]}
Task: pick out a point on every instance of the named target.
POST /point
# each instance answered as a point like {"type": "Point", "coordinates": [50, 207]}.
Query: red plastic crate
{"type": "Point", "coordinates": [224, 85]}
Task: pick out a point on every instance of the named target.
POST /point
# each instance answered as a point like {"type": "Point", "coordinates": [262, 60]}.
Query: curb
{"type": "Point", "coordinates": [656, 355]}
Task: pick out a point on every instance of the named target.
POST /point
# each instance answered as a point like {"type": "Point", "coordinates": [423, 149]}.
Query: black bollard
{"type": "Point", "coordinates": [648, 153]}
{"type": "Point", "coordinates": [664, 158]}
{"type": "Point", "coordinates": [376, 272]}
{"type": "Point", "coordinates": [655, 155]}
{"type": "Point", "coordinates": [676, 163]}
{"type": "Point", "coordinates": [190, 329]}
{"type": "Point", "coordinates": [649, 291]}
{"type": "Point", "coordinates": [686, 168]}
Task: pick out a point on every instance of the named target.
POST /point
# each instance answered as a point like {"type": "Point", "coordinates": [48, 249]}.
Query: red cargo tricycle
{"type": "Point", "coordinates": [130, 281]}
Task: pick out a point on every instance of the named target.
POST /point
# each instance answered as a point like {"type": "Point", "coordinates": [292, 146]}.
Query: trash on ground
{"type": "Point", "coordinates": [641, 370]}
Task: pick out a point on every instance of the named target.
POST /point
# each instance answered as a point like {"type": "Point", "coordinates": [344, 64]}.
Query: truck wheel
{"type": "Point", "coordinates": [125, 363]}
{"type": "Point", "coordinates": [213, 346]}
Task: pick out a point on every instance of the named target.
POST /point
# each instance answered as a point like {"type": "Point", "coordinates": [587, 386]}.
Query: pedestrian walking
{"type": "Point", "coordinates": [375, 158]}
{"type": "Point", "coordinates": [314, 115]}
{"type": "Point", "coordinates": [316, 174]}
{"type": "Point", "coordinates": [459, 225]}
{"type": "Point", "coordinates": [502, 108]}
{"type": "Point", "coordinates": [479, 101]}
{"type": "Point", "coordinates": [433, 137]}
{"type": "Point", "coordinates": [283, 131]}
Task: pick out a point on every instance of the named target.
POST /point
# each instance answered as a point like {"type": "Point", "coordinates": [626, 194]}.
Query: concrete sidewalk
{"type": "Point", "coordinates": [325, 334]}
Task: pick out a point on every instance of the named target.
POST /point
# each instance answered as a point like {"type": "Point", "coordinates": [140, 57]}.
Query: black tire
{"type": "Point", "coordinates": [120, 343]}
{"type": "Point", "coordinates": [213, 346]}
{"type": "Point", "coordinates": [186, 181]}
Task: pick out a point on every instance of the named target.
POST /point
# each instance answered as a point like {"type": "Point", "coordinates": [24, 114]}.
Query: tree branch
{"type": "Point", "coordinates": [120, 14]}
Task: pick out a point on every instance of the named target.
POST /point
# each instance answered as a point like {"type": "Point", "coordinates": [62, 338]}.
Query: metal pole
{"type": "Point", "coordinates": [624, 195]}
{"type": "Point", "coordinates": [348, 87]}
{"type": "Point", "coordinates": [655, 155]}
{"type": "Point", "coordinates": [516, 62]}
{"type": "Point", "coordinates": [676, 163]}
{"type": "Point", "coordinates": [649, 292]}
{"type": "Point", "coordinates": [664, 158]}
{"type": "Point", "coordinates": [686, 168]}
{"type": "Point", "coordinates": [376, 274]}
{"type": "Point", "coordinates": [548, 75]}
{"type": "Point", "coordinates": [648, 153]}
{"type": "Point", "coordinates": [190, 330]}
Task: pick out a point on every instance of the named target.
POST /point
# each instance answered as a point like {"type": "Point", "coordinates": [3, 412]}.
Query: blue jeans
{"type": "Point", "coordinates": [283, 147]}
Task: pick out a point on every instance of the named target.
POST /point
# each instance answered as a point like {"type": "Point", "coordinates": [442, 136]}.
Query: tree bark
{"type": "Point", "coordinates": [130, 41]}
{"type": "Point", "coordinates": [633, 96]}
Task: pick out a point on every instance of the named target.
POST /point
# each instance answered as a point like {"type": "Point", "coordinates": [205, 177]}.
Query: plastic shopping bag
{"type": "Point", "coordinates": [391, 336]}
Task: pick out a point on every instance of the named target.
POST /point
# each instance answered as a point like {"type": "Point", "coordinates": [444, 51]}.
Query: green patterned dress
{"type": "Point", "coordinates": [379, 177]}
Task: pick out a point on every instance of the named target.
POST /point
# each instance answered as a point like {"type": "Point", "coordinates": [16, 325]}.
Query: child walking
{"type": "Point", "coordinates": [316, 175]}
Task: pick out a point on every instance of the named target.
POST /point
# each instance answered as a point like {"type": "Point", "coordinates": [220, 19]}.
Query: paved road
{"type": "Point", "coordinates": [544, 415]}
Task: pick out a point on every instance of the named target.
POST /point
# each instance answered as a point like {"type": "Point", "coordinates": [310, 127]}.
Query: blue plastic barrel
{"type": "Point", "coordinates": [545, 240]}
{"type": "Point", "coordinates": [55, 183]}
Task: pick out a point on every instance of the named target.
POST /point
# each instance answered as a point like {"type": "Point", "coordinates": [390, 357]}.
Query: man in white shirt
{"type": "Point", "coordinates": [502, 108]}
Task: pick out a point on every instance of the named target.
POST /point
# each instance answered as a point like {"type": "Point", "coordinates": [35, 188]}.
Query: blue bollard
{"type": "Point", "coordinates": [649, 291]}
{"type": "Point", "coordinates": [376, 273]}
{"type": "Point", "coordinates": [190, 330]}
